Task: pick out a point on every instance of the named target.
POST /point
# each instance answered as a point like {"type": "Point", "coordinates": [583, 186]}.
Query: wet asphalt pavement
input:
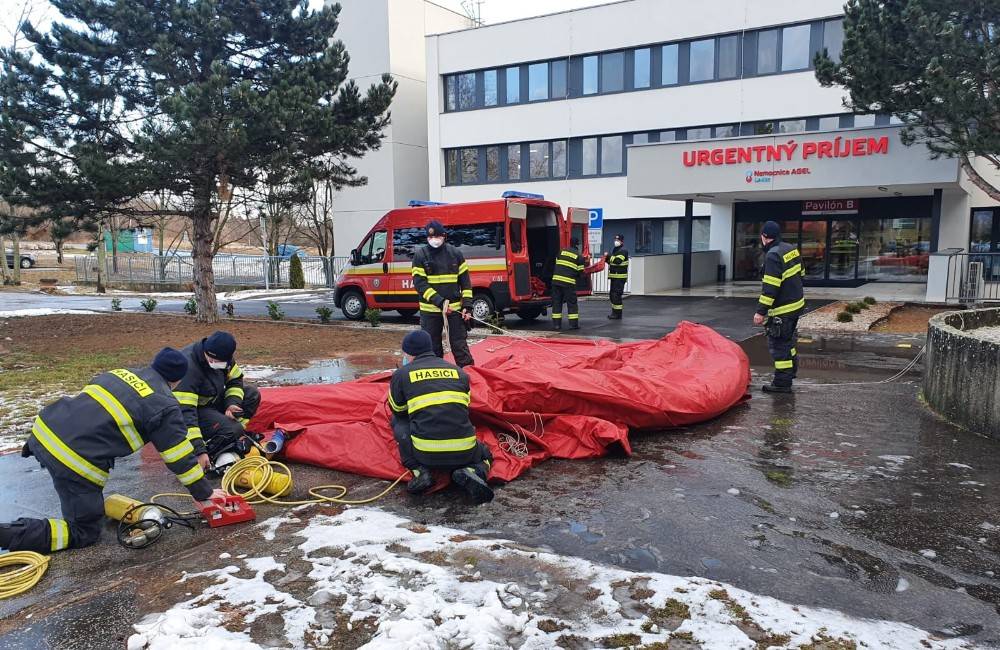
{"type": "Point", "coordinates": [853, 497]}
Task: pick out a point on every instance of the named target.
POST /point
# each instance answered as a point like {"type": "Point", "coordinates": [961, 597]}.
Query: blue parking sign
{"type": "Point", "coordinates": [596, 217]}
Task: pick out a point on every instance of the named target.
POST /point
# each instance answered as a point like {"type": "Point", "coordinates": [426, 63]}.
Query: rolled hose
{"type": "Point", "coordinates": [32, 567]}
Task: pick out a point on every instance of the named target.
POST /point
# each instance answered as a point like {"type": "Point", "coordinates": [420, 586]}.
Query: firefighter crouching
{"type": "Point", "coordinates": [781, 303]}
{"type": "Point", "coordinates": [77, 440]}
{"type": "Point", "coordinates": [215, 401]}
{"type": "Point", "coordinates": [441, 274]}
{"type": "Point", "coordinates": [429, 399]}
{"type": "Point", "coordinates": [617, 276]}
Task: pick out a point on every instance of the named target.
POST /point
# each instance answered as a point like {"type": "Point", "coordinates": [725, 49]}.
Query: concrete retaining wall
{"type": "Point", "coordinates": [962, 370]}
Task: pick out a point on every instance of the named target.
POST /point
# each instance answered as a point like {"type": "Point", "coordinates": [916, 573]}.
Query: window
{"type": "Point", "coordinates": [559, 159]}
{"type": "Point", "coordinates": [451, 166]}
{"type": "Point", "coordinates": [829, 123]}
{"type": "Point", "coordinates": [470, 165]}
{"type": "Point", "coordinates": [833, 38]}
{"type": "Point", "coordinates": [490, 86]}
{"type": "Point", "coordinates": [514, 162]}
{"type": "Point", "coordinates": [557, 70]}
{"type": "Point", "coordinates": [703, 133]}
{"type": "Point", "coordinates": [479, 240]}
{"type": "Point", "coordinates": [451, 95]}
{"type": "Point", "coordinates": [767, 51]}
{"type": "Point", "coordinates": [640, 138]}
{"type": "Point", "coordinates": [405, 242]}
{"type": "Point", "coordinates": [612, 72]}
{"type": "Point", "coordinates": [729, 57]}
{"type": "Point", "coordinates": [702, 66]}
{"type": "Point", "coordinates": [668, 77]}
{"type": "Point", "coordinates": [728, 131]}
{"type": "Point", "coordinates": [795, 47]}
{"type": "Point", "coordinates": [513, 85]}
{"type": "Point", "coordinates": [538, 82]}
{"type": "Point", "coordinates": [538, 159]}
{"type": "Point", "coordinates": [699, 234]}
{"type": "Point", "coordinates": [611, 155]}
{"type": "Point", "coordinates": [589, 75]}
{"type": "Point", "coordinates": [589, 156]}
{"type": "Point", "coordinates": [373, 249]}
{"type": "Point", "coordinates": [791, 126]}
{"type": "Point", "coordinates": [516, 239]}
{"type": "Point", "coordinates": [466, 91]}
{"type": "Point", "coordinates": [864, 121]}
{"type": "Point", "coordinates": [763, 128]}
{"type": "Point", "coordinates": [640, 74]}
{"type": "Point", "coordinates": [492, 164]}
{"type": "Point", "coordinates": [668, 136]}
{"type": "Point", "coordinates": [644, 236]}
{"type": "Point", "coordinates": [671, 236]}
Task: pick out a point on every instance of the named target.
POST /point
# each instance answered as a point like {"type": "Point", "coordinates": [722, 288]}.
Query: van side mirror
{"type": "Point", "coordinates": [355, 258]}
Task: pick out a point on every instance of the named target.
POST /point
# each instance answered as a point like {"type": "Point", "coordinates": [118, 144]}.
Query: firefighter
{"type": "Point", "coordinates": [214, 399]}
{"type": "Point", "coordinates": [441, 274]}
{"type": "Point", "coordinates": [618, 275]}
{"type": "Point", "coordinates": [429, 398]}
{"type": "Point", "coordinates": [780, 305]}
{"type": "Point", "coordinates": [568, 269]}
{"type": "Point", "coordinates": [77, 439]}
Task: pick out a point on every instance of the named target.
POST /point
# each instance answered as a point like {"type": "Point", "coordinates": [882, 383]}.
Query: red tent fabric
{"type": "Point", "coordinates": [563, 398]}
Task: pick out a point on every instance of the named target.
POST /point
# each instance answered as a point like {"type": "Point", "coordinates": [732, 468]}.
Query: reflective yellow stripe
{"type": "Point", "coordinates": [568, 255]}
{"type": "Point", "coordinates": [455, 444]}
{"type": "Point", "coordinates": [194, 474]}
{"type": "Point", "coordinates": [186, 399]}
{"type": "Point", "coordinates": [133, 380]}
{"type": "Point", "coordinates": [463, 268]}
{"type": "Point", "coordinates": [429, 308]}
{"type": "Point", "coordinates": [787, 309]}
{"type": "Point", "coordinates": [394, 406]}
{"type": "Point", "coordinates": [416, 270]}
{"type": "Point", "coordinates": [235, 372]}
{"type": "Point", "coordinates": [442, 279]}
{"type": "Point", "coordinates": [177, 452]}
{"type": "Point", "coordinates": [617, 307]}
{"type": "Point", "coordinates": [784, 365]}
{"type": "Point", "coordinates": [430, 293]}
{"type": "Point", "coordinates": [618, 276]}
{"type": "Point", "coordinates": [567, 264]}
{"type": "Point", "coordinates": [574, 316]}
{"type": "Point", "coordinates": [767, 301]}
{"type": "Point", "coordinates": [193, 432]}
{"type": "Point", "coordinates": [58, 534]}
{"type": "Point", "coordinates": [795, 270]}
{"type": "Point", "coordinates": [617, 260]}
{"type": "Point", "coordinates": [436, 399]}
{"type": "Point", "coordinates": [772, 280]}
{"type": "Point", "coordinates": [466, 293]}
{"type": "Point", "coordinates": [117, 413]}
{"type": "Point", "coordinates": [563, 278]}
{"type": "Point", "coordinates": [67, 456]}
{"type": "Point", "coordinates": [794, 352]}
{"type": "Point", "coordinates": [790, 255]}
{"type": "Point", "coordinates": [235, 391]}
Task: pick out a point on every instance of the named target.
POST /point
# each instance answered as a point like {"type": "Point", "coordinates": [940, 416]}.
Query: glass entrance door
{"type": "Point", "coordinates": [843, 249]}
{"type": "Point", "coordinates": [812, 246]}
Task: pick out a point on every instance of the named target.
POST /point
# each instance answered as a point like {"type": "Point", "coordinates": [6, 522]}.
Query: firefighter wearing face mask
{"type": "Point", "coordinates": [441, 274]}
{"type": "Point", "coordinates": [214, 399]}
{"type": "Point", "coordinates": [618, 276]}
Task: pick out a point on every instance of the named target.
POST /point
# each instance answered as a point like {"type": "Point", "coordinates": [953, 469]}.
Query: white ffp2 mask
{"type": "Point", "coordinates": [435, 242]}
{"type": "Point", "coordinates": [217, 365]}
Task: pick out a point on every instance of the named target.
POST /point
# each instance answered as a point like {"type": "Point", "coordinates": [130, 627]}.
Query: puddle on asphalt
{"type": "Point", "coordinates": [836, 358]}
{"type": "Point", "coordinates": [335, 371]}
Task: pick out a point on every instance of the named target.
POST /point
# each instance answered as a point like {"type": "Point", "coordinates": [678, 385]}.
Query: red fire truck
{"type": "Point", "coordinates": [510, 245]}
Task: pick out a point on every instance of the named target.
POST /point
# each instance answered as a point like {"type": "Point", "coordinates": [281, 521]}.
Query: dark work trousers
{"type": "Point", "coordinates": [218, 430]}
{"type": "Point", "coordinates": [560, 295]}
{"type": "Point", "coordinates": [782, 349]}
{"type": "Point", "coordinates": [617, 291]}
{"type": "Point", "coordinates": [401, 432]}
{"type": "Point", "coordinates": [82, 510]}
{"type": "Point", "coordinates": [433, 324]}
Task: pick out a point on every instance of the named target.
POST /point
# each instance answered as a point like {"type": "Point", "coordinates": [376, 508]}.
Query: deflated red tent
{"type": "Point", "coordinates": [564, 398]}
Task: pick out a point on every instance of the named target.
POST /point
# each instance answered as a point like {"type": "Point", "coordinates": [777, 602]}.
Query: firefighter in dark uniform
{"type": "Point", "coordinates": [781, 303]}
{"type": "Point", "coordinates": [77, 440]}
{"type": "Point", "coordinates": [568, 269]}
{"type": "Point", "coordinates": [441, 274]}
{"type": "Point", "coordinates": [429, 398]}
{"type": "Point", "coordinates": [618, 276]}
{"type": "Point", "coordinates": [214, 399]}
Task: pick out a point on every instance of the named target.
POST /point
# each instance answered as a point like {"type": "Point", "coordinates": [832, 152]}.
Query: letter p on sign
{"type": "Point", "coordinates": [596, 218]}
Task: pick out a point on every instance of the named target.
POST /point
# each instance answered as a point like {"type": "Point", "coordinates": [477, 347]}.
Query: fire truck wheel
{"type": "Point", "coordinates": [529, 313]}
{"type": "Point", "coordinates": [407, 313]}
{"type": "Point", "coordinates": [353, 305]}
{"type": "Point", "coordinates": [482, 306]}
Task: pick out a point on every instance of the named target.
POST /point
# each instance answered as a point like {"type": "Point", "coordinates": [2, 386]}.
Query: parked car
{"type": "Point", "coordinates": [27, 261]}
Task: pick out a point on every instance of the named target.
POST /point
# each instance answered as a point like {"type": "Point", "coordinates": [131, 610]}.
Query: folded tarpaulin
{"type": "Point", "coordinates": [563, 398]}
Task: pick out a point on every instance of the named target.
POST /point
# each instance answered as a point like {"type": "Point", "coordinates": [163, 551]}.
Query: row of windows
{"type": "Point", "coordinates": [762, 52]}
{"type": "Point", "coordinates": [604, 155]}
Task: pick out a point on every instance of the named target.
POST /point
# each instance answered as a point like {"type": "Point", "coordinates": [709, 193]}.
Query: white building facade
{"type": "Point", "coordinates": [388, 36]}
{"type": "Point", "coordinates": [603, 107]}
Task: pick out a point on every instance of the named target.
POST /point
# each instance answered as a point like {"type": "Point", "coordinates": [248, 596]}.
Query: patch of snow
{"type": "Point", "coordinates": [42, 311]}
{"type": "Point", "coordinates": [834, 515]}
{"type": "Point", "coordinates": [973, 483]}
{"type": "Point", "coordinates": [928, 553]}
{"type": "Point", "coordinates": [246, 294]}
{"type": "Point", "coordinates": [260, 372]}
{"type": "Point", "coordinates": [271, 526]}
{"type": "Point", "coordinates": [224, 556]}
{"type": "Point", "coordinates": [988, 526]}
{"type": "Point", "coordinates": [733, 491]}
{"type": "Point", "coordinates": [959, 465]}
{"type": "Point", "coordinates": [902, 585]}
{"type": "Point", "coordinates": [409, 587]}
{"type": "Point", "coordinates": [895, 460]}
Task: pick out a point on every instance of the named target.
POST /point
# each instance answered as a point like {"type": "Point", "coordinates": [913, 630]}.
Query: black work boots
{"type": "Point", "coordinates": [473, 480]}
{"type": "Point", "coordinates": [771, 388]}
{"type": "Point", "coordinates": [421, 481]}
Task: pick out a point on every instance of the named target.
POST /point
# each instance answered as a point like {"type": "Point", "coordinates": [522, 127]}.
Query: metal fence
{"type": "Point", "coordinates": [600, 283]}
{"type": "Point", "coordinates": [230, 270]}
{"type": "Point", "coordinates": [974, 277]}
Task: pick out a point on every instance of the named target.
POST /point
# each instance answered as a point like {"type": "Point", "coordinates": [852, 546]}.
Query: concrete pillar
{"type": "Point", "coordinates": [720, 234]}
{"type": "Point", "coordinates": [686, 232]}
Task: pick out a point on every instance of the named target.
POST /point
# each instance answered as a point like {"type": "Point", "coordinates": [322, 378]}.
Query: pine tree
{"type": "Point", "coordinates": [296, 278]}
{"type": "Point", "coordinates": [932, 63]}
{"type": "Point", "coordinates": [193, 97]}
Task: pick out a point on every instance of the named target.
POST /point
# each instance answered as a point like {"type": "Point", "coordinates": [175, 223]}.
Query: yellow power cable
{"type": "Point", "coordinates": [32, 567]}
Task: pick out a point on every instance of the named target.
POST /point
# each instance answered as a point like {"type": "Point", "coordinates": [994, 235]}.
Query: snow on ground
{"type": "Point", "coordinates": [42, 312]}
{"type": "Point", "coordinates": [372, 579]}
{"type": "Point", "coordinates": [17, 411]}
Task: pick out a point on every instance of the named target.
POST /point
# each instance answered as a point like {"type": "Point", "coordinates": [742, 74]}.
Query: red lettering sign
{"type": "Point", "coordinates": [838, 147]}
